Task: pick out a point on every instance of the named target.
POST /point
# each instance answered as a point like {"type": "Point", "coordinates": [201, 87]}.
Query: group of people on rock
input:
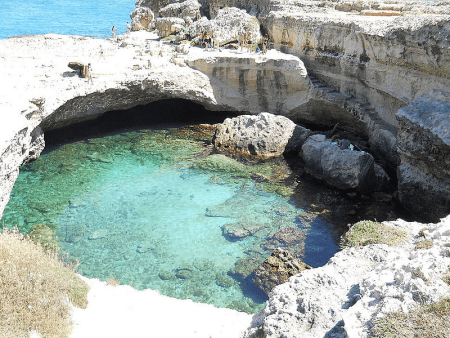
{"type": "Point", "coordinates": [114, 28]}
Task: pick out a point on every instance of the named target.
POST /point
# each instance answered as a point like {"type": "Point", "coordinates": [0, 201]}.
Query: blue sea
{"type": "Point", "coordinates": [75, 17]}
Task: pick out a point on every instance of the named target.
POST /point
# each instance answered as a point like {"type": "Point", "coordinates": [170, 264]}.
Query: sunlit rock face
{"type": "Point", "coordinates": [276, 82]}
{"type": "Point", "coordinates": [263, 136]}
{"type": "Point", "coordinates": [424, 148]}
{"type": "Point", "coordinates": [387, 61]}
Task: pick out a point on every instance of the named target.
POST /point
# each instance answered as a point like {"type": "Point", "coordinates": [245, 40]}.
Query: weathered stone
{"type": "Point", "coordinates": [226, 26]}
{"type": "Point", "coordinates": [182, 9]}
{"type": "Point", "coordinates": [237, 231]}
{"type": "Point", "coordinates": [224, 280]}
{"type": "Point", "coordinates": [291, 239]}
{"type": "Point", "coordinates": [424, 148]}
{"type": "Point", "coordinates": [357, 286]}
{"type": "Point", "coordinates": [165, 25]}
{"type": "Point", "coordinates": [277, 269]}
{"type": "Point", "coordinates": [142, 18]}
{"type": "Point", "coordinates": [265, 135]}
{"type": "Point", "coordinates": [344, 169]}
{"type": "Point", "coordinates": [273, 82]}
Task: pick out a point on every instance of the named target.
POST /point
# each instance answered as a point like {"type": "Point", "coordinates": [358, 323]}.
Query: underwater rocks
{"type": "Point", "coordinates": [359, 285]}
{"type": "Point", "coordinates": [265, 135]}
{"type": "Point", "coordinates": [424, 148]}
{"type": "Point", "coordinates": [344, 169]}
{"type": "Point", "coordinates": [237, 231]}
{"type": "Point", "coordinates": [277, 269]}
{"type": "Point", "coordinates": [289, 239]}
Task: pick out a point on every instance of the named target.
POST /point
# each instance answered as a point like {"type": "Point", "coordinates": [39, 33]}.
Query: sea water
{"type": "Point", "coordinates": [145, 208]}
{"type": "Point", "coordinates": [74, 17]}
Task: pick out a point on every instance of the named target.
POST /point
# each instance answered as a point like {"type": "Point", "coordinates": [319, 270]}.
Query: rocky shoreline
{"type": "Point", "coordinates": [379, 70]}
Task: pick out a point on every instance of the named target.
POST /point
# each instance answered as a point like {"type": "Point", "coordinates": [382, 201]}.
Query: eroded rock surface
{"type": "Point", "coordinates": [356, 286]}
{"type": "Point", "coordinates": [276, 270]}
{"type": "Point", "coordinates": [265, 135]}
{"type": "Point", "coordinates": [424, 148]}
{"type": "Point", "coordinates": [141, 18]}
{"type": "Point", "coordinates": [226, 26]}
{"type": "Point", "coordinates": [344, 169]}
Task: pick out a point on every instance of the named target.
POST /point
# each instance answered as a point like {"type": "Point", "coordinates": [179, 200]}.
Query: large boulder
{"type": "Point", "coordinates": [165, 25]}
{"type": "Point", "coordinates": [277, 269]}
{"type": "Point", "coordinates": [344, 169]}
{"type": "Point", "coordinates": [226, 26]}
{"type": "Point", "coordinates": [185, 9]}
{"type": "Point", "coordinates": [142, 19]}
{"type": "Point", "coordinates": [424, 146]}
{"type": "Point", "coordinates": [264, 135]}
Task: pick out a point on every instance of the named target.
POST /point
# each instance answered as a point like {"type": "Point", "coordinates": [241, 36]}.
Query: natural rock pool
{"type": "Point", "coordinates": [156, 208]}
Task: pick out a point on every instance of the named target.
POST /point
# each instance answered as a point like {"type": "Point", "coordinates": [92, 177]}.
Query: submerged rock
{"type": "Point", "coordinates": [359, 285]}
{"type": "Point", "coordinates": [424, 148]}
{"type": "Point", "coordinates": [344, 169]}
{"type": "Point", "coordinates": [265, 135]}
{"type": "Point", "coordinates": [277, 269]}
{"type": "Point", "coordinates": [289, 239]}
{"type": "Point", "coordinates": [237, 231]}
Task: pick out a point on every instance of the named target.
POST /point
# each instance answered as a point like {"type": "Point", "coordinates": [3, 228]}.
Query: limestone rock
{"type": "Point", "coordinates": [276, 270]}
{"type": "Point", "coordinates": [344, 169]}
{"type": "Point", "coordinates": [226, 26]}
{"type": "Point", "coordinates": [273, 82]}
{"type": "Point", "coordinates": [182, 9]}
{"type": "Point", "coordinates": [265, 135]}
{"type": "Point", "coordinates": [141, 18]}
{"type": "Point", "coordinates": [165, 25]}
{"type": "Point", "coordinates": [154, 5]}
{"type": "Point", "coordinates": [25, 145]}
{"type": "Point", "coordinates": [424, 148]}
{"type": "Point", "coordinates": [356, 286]}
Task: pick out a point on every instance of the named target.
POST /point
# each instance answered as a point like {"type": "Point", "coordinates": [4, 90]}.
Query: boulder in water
{"type": "Point", "coordinates": [342, 168]}
{"type": "Point", "coordinates": [264, 135]}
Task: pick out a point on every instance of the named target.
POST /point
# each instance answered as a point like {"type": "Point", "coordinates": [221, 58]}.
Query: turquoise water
{"type": "Point", "coordinates": [145, 208]}
{"type": "Point", "coordinates": [78, 17]}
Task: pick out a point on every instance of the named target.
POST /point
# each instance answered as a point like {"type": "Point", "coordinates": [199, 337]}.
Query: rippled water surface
{"type": "Point", "coordinates": [78, 17]}
{"type": "Point", "coordinates": [145, 208]}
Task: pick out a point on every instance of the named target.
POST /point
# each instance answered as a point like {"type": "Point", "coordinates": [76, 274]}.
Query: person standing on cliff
{"type": "Point", "coordinates": [128, 27]}
{"type": "Point", "coordinates": [113, 31]}
{"type": "Point", "coordinates": [89, 73]}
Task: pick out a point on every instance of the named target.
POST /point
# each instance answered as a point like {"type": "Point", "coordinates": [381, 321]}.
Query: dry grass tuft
{"type": "Point", "coordinates": [369, 232]}
{"type": "Point", "coordinates": [35, 289]}
{"type": "Point", "coordinates": [425, 244]}
{"type": "Point", "coordinates": [446, 277]}
{"type": "Point", "coordinates": [425, 322]}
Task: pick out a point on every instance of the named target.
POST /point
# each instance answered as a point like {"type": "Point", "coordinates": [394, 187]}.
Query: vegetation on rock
{"type": "Point", "coordinates": [426, 321]}
{"type": "Point", "coordinates": [370, 232]}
